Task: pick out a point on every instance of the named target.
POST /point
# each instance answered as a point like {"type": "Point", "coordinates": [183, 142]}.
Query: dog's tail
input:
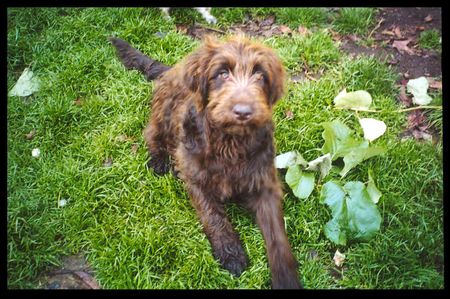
{"type": "Point", "coordinates": [134, 59]}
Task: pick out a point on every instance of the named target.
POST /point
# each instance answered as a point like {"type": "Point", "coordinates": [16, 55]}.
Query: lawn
{"type": "Point", "coordinates": [90, 192]}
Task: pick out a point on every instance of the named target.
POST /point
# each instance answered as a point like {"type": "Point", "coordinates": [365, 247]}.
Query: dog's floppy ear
{"type": "Point", "coordinates": [195, 66]}
{"type": "Point", "coordinates": [277, 80]}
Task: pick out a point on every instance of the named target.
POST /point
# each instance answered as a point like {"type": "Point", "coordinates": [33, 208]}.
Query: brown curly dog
{"type": "Point", "coordinates": [212, 123]}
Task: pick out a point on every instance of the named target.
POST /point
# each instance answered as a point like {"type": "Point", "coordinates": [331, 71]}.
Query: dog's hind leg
{"type": "Point", "coordinates": [157, 148]}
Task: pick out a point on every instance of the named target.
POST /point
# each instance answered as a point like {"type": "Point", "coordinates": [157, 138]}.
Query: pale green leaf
{"type": "Point", "coordinates": [301, 183]}
{"type": "Point", "coordinates": [286, 159]}
{"type": "Point", "coordinates": [372, 189]}
{"type": "Point", "coordinates": [26, 85]}
{"type": "Point", "coordinates": [359, 99]}
{"type": "Point", "coordinates": [372, 128]}
{"type": "Point", "coordinates": [418, 87]}
{"type": "Point", "coordinates": [358, 155]}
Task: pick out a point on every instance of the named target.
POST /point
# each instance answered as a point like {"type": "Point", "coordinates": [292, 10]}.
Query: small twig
{"type": "Point", "coordinates": [376, 27]}
{"type": "Point", "coordinates": [212, 29]}
{"type": "Point", "coordinates": [398, 111]}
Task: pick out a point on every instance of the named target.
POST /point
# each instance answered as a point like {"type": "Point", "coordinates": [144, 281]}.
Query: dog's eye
{"type": "Point", "coordinates": [259, 75]}
{"type": "Point", "coordinates": [224, 75]}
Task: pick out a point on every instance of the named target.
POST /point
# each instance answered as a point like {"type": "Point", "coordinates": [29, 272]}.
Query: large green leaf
{"type": "Point", "coordinates": [363, 217]}
{"type": "Point", "coordinates": [301, 183]}
{"type": "Point", "coordinates": [359, 99]}
{"type": "Point", "coordinates": [338, 140]}
{"type": "Point", "coordinates": [372, 189]}
{"type": "Point", "coordinates": [354, 215]}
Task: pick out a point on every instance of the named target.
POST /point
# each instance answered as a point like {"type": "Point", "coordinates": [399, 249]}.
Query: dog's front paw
{"type": "Point", "coordinates": [233, 258]}
{"type": "Point", "coordinates": [159, 166]}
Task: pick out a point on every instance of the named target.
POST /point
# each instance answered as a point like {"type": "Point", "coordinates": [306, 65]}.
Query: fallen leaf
{"type": "Point", "coordinates": [434, 83]}
{"type": "Point", "coordinates": [353, 38]}
{"type": "Point", "coordinates": [62, 203]}
{"type": "Point", "coordinates": [404, 99]}
{"type": "Point", "coordinates": [78, 102]}
{"type": "Point", "coordinates": [289, 114]}
{"type": "Point", "coordinates": [428, 18]}
{"type": "Point", "coordinates": [336, 36]}
{"type": "Point", "coordinates": [107, 162]}
{"type": "Point", "coordinates": [303, 30]}
{"type": "Point", "coordinates": [402, 46]}
{"type": "Point", "coordinates": [124, 138]}
{"type": "Point", "coordinates": [26, 85]}
{"type": "Point", "coordinates": [268, 21]}
{"type": "Point", "coordinates": [418, 87]}
{"type": "Point", "coordinates": [417, 120]}
{"type": "Point", "coordinates": [30, 135]}
{"type": "Point", "coordinates": [359, 99]}
{"type": "Point", "coordinates": [134, 148]}
{"type": "Point", "coordinates": [418, 134]}
{"type": "Point", "coordinates": [87, 279]}
{"type": "Point", "coordinates": [285, 29]}
{"type": "Point", "coordinates": [322, 164]}
{"type": "Point", "coordinates": [298, 78]}
{"type": "Point", "coordinates": [397, 32]}
{"type": "Point", "coordinates": [286, 160]}
{"type": "Point", "coordinates": [420, 28]}
{"type": "Point", "coordinates": [372, 128]}
{"type": "Point", "coordinates": [36, 153]}
{"type": "Point", "coordinates": [338, 258]}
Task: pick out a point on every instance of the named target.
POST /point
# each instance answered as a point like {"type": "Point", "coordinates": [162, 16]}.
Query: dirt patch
{"type": "Point", "coordinates": [75, 273]}
{"type": "Point", "coordinates": [399, 24]}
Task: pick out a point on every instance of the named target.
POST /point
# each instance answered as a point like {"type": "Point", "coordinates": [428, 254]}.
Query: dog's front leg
{"type": "Point", "coordinates": [269, 217]}
{"type": "Point", "coordinates": [227, 247]}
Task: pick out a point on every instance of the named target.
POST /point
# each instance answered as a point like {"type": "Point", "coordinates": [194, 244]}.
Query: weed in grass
{"type": "Point", "coordinates": [354, 20]}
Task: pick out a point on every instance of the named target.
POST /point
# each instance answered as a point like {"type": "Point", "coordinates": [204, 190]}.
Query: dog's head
{"type": "Point", "coordinates": [238, 82]}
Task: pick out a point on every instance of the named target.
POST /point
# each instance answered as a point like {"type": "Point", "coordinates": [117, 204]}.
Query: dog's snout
{"type": "Point", "coordinates": [242, 111]}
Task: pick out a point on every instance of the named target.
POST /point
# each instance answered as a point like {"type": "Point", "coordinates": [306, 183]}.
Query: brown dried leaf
{"type": "Point", "coordinates": [428, 18]}
{"type": "Point", "coordinates": [397, 32]}
{"type": "Point", "coordinates": [434, 84]}
{"type": "Point", "coordinates": [30, 135]}
{"type": "Point", "coordinates": [134, 148]}
{"type": "Point", "coordinates": [303, 30]}
{"type": "Point", "coordinates": [289, 114]}
{"type": "Point", "coordinates": [124, 138]}
{"type": "Point", "coordinates": [404, 99]}
{"type": "Point", "coordinates": [78, 102]}
{"type": "Point", "coordinates": [268, 21]}
{"type": "Point", "coordinates": [87, 279]}
{"type": "Point", "coordinates": [402, 46]}
{"type": "Point", "coordinates": [335, 35]}
{"type": "Point", "coordinates": [353, 38]}
{"type": "Point", "coordinates": [285, 29]}
{"type": "Point", "coordinates": [338, 258]}
{"type": "Point", "coordinates": [420, 28]}
{"type": "Point", "coordinates": [417, 120]}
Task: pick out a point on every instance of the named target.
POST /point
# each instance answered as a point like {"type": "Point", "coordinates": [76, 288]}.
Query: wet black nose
{"type": "Point", "coordinates": [242, 111]}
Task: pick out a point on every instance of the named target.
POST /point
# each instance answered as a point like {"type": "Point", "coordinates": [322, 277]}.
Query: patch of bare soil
{"type": "Point", "coordinates": [75, 273]}
{"type": "Point", "coordinates": [396, 38]}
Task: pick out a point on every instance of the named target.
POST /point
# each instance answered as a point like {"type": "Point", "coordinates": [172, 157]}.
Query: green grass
{"type": "Point", "coordinates": [139, 230]}
{"type": "Point", "coordinates": [430, 39]}
{"type": "Point", "coordinates": [354, 20]}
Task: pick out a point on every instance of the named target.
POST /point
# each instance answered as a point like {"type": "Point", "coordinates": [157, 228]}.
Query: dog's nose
{"type": "Point", "coordinates": [242, 111]}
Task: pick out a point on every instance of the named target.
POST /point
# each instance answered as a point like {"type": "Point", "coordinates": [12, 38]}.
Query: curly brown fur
{"type": "Point", "coordinates": [212, 117]}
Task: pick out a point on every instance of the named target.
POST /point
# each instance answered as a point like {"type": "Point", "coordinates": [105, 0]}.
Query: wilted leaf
{"type": "Point", "coordinates": [387, 32]}
{"type": "Point", "coordinates": [289, 114]}
{"type": "Point", "coordinates": [418, 87]}
{"type": "Point", "coordinates": [285, 29]}
{"type": "Point", "coordinates": [397, 32]}
{"type": "Point", "coordinates": [303, 30]}
{"type": "Point", "coordinates": [288, 159]}
{"type": "Point", "coordinates": [428, 18]}
{"type": "Point", "coordinates": [26, 85]}
{"type": "Point", "coordinates": [359, 99]}
{"type": "Point", "coordinates": [322, 164]}
{"type": "Point", "coordinates": [357, 155]}
{"type": "Point", "coordinates": [372, 128]}
{"type": "Point", "coordinates": [338, 258]}
{"type": "Point", "coordinates": [301, 183]}
{"type": "Point", "coordinates": [30, 135]}
{"type": "Point", "coordinates": [402, 46]}
{"type": "Point", "coordinates": [372, 190]}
